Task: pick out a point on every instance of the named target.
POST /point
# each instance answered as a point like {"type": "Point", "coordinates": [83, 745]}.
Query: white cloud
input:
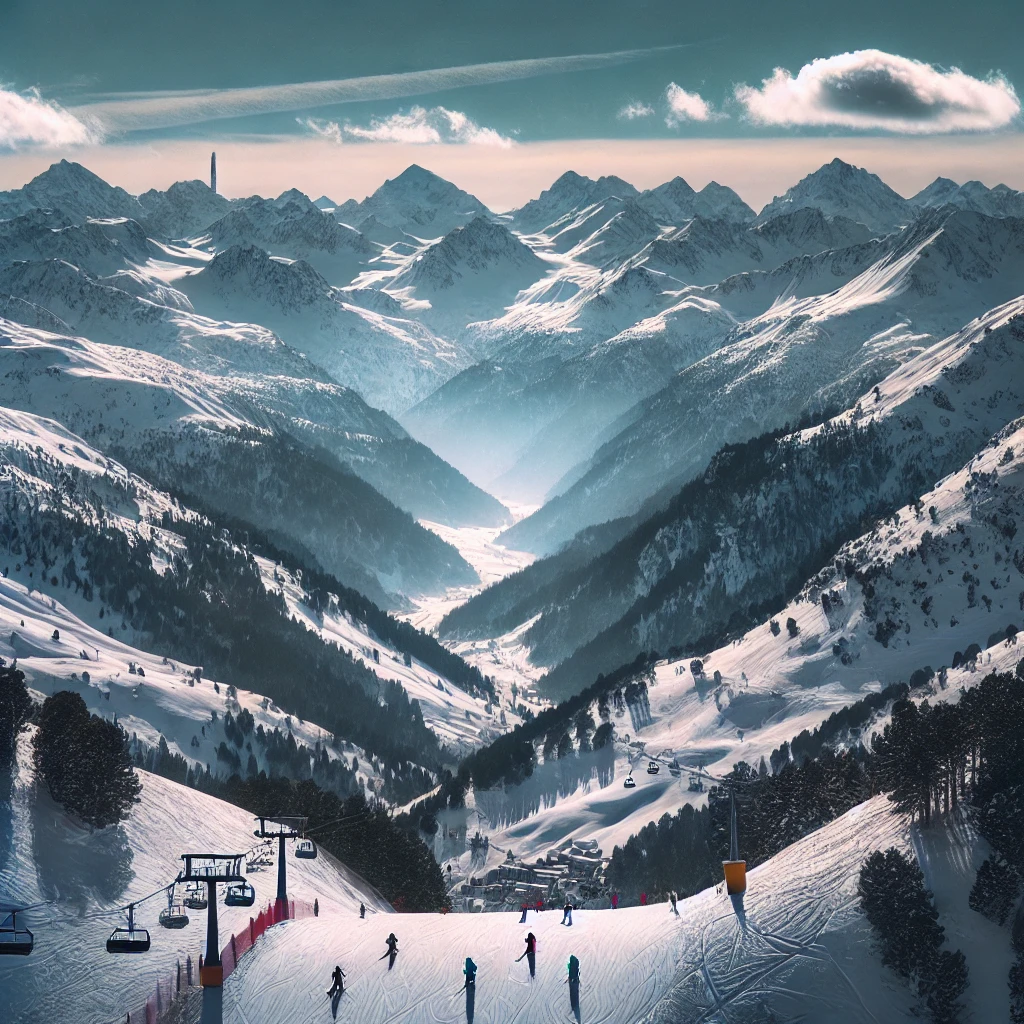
{"type": "Point", "coordinates": [26, 119]}
{"type": "Point", "coordinates": [685, 106]}
{"type": "Point", "coordinates": [871, 90]}
{"type": "Point", "coordinates": [632, 111]}
{"type": "Point", "coordinates": [419, 126]}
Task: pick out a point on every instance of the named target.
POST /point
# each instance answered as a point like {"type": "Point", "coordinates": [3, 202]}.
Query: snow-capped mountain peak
{"type": "Point", "coordinates": [840, 188]}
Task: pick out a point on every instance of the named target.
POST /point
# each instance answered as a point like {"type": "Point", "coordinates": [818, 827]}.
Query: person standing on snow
{"type": "Point", "coordinates": [362, 911]}
{"type": "Point", "coordinates": [643, 899]}
{"type": "Point", "coordinates": [392, 952]}
{"type": "Point", "coordinates": [615, 901]}
{"type": "Point", "coordinates": [567, 913]}
{"type": "Point", "coordinates": [574, 985]}
{"type": "Point", "coordinates": [673, 897]}
{"type": "Point", "coordinates": [316, 908]}
{"type": "Point", "coordinates": [337, 985]}
{"type": "Point", "coordinates": [530, 953]}
{"type": "Point", "coordinates": [524, 908]}
{"type": "Point", "coordinates": [470, 972]}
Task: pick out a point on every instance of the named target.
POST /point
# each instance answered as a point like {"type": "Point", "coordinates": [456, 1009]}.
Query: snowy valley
{"type": "Point", "coordinates": [509, 552]}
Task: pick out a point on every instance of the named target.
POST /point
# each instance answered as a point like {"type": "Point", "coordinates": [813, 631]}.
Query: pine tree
{"type": "Point", "coordinates": [85, 761]}
{"type": "Point", "coordinates": [15, 709]}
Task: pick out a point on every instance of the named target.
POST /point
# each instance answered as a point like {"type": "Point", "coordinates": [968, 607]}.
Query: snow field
{"type": "Point", "coordinates": [47, 856]}
{"type": "Point", "coordinates": [796, 941]}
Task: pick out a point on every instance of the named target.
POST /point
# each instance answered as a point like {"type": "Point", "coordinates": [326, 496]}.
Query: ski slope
{"type": "Point", "coordinates": [794, 944]}
{"type": "Point", "coordinates": [47, 856]}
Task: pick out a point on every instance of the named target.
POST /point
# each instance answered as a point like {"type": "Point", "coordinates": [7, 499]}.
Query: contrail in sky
{"type": "Point", "coordinates": [138, 111]}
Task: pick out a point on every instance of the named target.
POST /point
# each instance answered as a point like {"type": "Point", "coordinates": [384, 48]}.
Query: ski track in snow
{"type": "Point", "coordinates": [796, 943]}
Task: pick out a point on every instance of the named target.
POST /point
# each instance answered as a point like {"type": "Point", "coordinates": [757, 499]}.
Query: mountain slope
{"type": "Point", "coordinates": [182, 428]}
{"type": "Point", "coordinates": [293, 227]}
{"type": "Point", "coordinates": [571, 191]}
{"type": "Point", "coordinates": [800, 355]}
{"type": "Point", "coordinates": [793, 947]}
{"type": "Point", "coordinates": [263, 380]}
{"type": "Point", "coordinates": [841, 189]}
{"type": "Point", "coordinates": [675, 202]}
{"type": "Point", "coordinates": [417, 202]}
{"type": "Point", "coordinates": [74, 190]}
{"type": "Point", "coordinates": [391, 362]}
{"type": "Point", "coordinates": [774, 511]}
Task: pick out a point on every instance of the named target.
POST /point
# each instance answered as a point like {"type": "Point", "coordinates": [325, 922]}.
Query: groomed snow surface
{"type": "Point", "coordinates": [796, 944]}
{"type": "Point", "coordinates": [44, 855]}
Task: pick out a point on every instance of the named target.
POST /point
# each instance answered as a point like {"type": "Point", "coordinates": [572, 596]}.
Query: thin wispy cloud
{"type": "Point", "coordinates": [419, 126]}
{"type": "Point", "coordinates": [634, 111]}
{"type": "Point", "coordinates": [137, 112]}
{"type": "Point", "coordinates": [872, 90]}
{"type": "Point", "coordinates": [27, 120]}
{"type": "Point", "coordinates": [685, 106]}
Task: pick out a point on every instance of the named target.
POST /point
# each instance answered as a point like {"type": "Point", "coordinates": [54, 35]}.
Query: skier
{"type": "Point", "coordinates": [567, 913]}
{"type": "Point", "coordinates": [470, 972]}
{"type": "Point", "coordinates": [539, 906]}
{"type": "Point", "coordinates": [392, 952]}
{"type": "Point", "coordinates": [316, 908]}
{"type": "Point", "coordinates": [643, 899]}
{"type": "Point", "coordinates": [530, 953]}
{"type": "Point", "coordinates": [362, 911]}
{"type": "Point", "coordinates": [524, 909]}
{"type": "Point", "coordinates": [337, 985]}
{"type": "Point", "coordinates": [615, 901]}
{"type": "Point", "coordinates": [673, 897]}
{"type": "Point", "coordinates": [574, 986]}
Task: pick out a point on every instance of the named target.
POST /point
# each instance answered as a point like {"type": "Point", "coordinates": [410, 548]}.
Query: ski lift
{"type": "Point", "coordinates": [674, 770]}
{"type": "Point", "coordinates": [14, 941]}
{"type": "Point", "coordinates": [130, 939]}
{"type": "Point", "coordinates": [696, 783]}
{"type": "Point", "coordinates": [240, 894]}
{"type": "Point", "coordinates": [195, 897]}
{"type": "Point", "coordinates": [174, 914]}
{"type": "Point", "coordinates": [653, 768]}
{"type": "Point", "coordinates": [630, 782]}
{"type": "Point", "coordinates": [305, 849]}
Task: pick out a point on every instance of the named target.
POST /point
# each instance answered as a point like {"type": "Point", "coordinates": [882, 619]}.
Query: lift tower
{"type": "Point", "coordinates": [212, 868]}
{"type": "Point", "coordinates": [282, 828]}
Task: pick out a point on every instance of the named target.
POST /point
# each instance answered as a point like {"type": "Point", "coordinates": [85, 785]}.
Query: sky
{"type": "Point", "coordinates": [332, 96]}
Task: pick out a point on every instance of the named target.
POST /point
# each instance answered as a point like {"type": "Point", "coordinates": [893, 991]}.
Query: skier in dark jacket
{"type": "Point", "coordinates": [392, 952]}
{"type": "Point", "coordinates": [362, 911]}
{"type": "Point", "coordinates": [470, 972]}
{"type": "Point", "coordinates": [530, 953]}
{"type": "Point", "coordinates": [574, 986]}
{"type": "Point", "coordinates": [567, 913]}
{"type": "Point", "coordinates": [337, 985]}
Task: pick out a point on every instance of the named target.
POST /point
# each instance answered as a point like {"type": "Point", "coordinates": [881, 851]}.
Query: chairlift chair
{"type": "Point", "coordinates": [195, 897]}
{"type": "Point", "coordinates": [14, 941]}
{"type": "Point", "coordinates": [696, 783]}
{"type": "Point", "coordinates": [630, 782]}
{"type": "Point", "coordinates": [130, 939]}
{"type": "Point", "coordinates": [173, 915]}
{"type": "Point", "coordinates": [305, 849]}
{"type": "Point", "coordinates": [653, 768]}
{"type": "Point", "coordinates": [239, 894]}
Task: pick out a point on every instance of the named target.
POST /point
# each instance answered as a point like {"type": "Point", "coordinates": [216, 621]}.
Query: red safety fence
{"type": "Point", "coordinates": [185, 976]}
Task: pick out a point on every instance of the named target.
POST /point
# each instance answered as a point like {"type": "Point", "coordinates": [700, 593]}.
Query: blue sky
{"type": "Point", "coordinates": [118, 78]}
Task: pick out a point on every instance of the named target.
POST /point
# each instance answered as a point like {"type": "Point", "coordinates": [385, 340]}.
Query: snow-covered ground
{"type": "Point", "coordinates": [461, 720]}
{"type": "Point", "coordinates": [503, 658]}
{"type": "Point", "coordinates": [795, 946]}
{"type": "Point", "coordinates": [748, 721]}
{"type": "Point", "coordinates": [44, 855]}
{"type": "Point", "coordinates": [158, 703]}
